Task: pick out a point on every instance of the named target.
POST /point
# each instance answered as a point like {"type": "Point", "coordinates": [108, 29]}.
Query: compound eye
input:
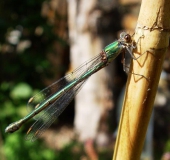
{"type": "Point", "coordinates": [127, 38]}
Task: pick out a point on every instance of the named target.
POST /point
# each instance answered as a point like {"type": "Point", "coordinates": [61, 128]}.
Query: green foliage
{"type": "Point", "coordinates": [22, 72]}
{"type": "Point", "coordinates": [167, 146]}
{"type": "Point", "coordinates": [21, 90]}
{"type": "Point", "coordinates": [16, 148]}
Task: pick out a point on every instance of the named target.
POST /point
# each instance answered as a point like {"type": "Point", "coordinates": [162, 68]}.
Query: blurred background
{"type": "Point", "coordinates": [40, 42]}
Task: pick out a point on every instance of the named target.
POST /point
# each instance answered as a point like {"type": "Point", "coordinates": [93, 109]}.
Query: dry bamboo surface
{"type": "Point", "coordinates": [152, 37]}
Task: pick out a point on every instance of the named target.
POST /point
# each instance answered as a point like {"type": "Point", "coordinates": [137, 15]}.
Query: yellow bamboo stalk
{"type": "Point", "coordinates": [153, 26]}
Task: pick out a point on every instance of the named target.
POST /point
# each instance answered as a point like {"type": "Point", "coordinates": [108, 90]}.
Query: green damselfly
{"type": "Point", "coordinates": [49, 103]}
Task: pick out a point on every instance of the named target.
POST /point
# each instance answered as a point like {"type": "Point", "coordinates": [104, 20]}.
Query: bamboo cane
{"type": "Point", "coordinates": [152, 37]}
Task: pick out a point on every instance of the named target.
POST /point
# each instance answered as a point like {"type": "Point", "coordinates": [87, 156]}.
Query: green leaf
{"type": "Point", "coordinates": [22, 90]}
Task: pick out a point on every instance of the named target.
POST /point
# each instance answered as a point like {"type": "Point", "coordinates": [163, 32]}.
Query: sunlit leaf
{"type": "Point", "coordinates": [22, 90]}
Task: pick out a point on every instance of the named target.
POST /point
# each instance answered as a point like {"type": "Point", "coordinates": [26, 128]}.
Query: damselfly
{"type": "Point", "coordinates": [49, 103]}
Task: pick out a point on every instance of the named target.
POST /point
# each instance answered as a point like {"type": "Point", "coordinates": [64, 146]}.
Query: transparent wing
{"type": "Point", "coordinates": [127, 61]}
{"type": "Point", "coordinates": [50, 114]}
{"type": "Point", "coordinates": [43, 95]}
{"type": "Point", "coordinates": [46, 117]}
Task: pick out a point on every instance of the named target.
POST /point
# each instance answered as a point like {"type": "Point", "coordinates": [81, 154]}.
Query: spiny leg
{"type": "Point", "coordinates": [127, 71]}
{"type": "Point", "coordinates": [142, 76]}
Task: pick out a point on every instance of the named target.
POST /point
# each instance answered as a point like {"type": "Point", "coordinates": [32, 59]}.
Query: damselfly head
{"type": "Point", "coordinates": [124, 37]}
{"type": "Point", "coordinates": [127, 38]}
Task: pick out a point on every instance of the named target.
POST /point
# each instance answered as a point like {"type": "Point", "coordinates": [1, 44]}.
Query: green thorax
{"type": "Point", "coordinates": [113, 50]}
